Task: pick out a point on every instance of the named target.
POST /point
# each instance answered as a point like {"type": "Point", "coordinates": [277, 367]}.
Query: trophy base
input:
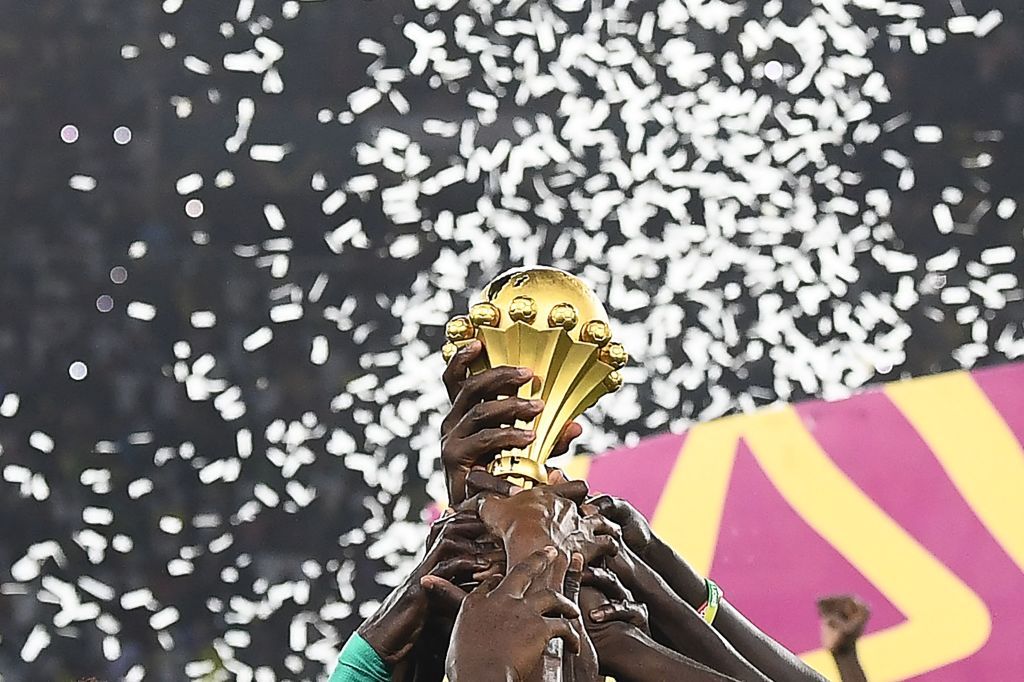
{"type": "Point", "coordinates": [519, 470]}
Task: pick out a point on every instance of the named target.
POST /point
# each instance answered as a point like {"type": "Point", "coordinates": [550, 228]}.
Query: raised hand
{"type": "Point", "coordinates": [843, 618]}
{"type": "Point", "coordinates": [619, 630]}
{"type": "Point", "coordinates": [456, 554]}
{"type": "Point", "coordinates": [476, 429]}
{"type": "Point", "coordinates": [608, 601]}
{"type": "Point", "coordinates": [636, 531]}
{"type": "Point", "coordinates": [504, 625]}
{"type": "Point", "coordinates": [478, 426]}
{"type": "Point", "coordinates": [583, 667]}
{"type": "Point", "coordinates": [545, 515]}
{"type": "Point", "coordinates": [610, 614]}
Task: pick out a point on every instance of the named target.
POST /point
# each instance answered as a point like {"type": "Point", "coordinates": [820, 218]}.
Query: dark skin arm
{"type": "Point", "coordinates": [546, 515]}
{"type": "Point", "coordinates": [426, 663]}
{"type": "Point", "coordinates": [478, 426]}
{"type": "Point", "coordinates": [684, 629]}
{"type": "Point", "coordinates": [504, 625]}
{"type": "Point", "coordinates": [619, 628]}
{"type": "Point", "coordinates": [454, 554]}
{"type": "Point", "coordinates": [843, 619]}
{"type": "Point", "coordinates": [768, 656]}
{"type": "Point", "coordinates": [632, 656]}
{"type": "Point", "coordinates": [584, 666]}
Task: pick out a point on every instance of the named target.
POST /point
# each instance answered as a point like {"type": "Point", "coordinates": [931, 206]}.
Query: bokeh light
{"type": "Point", "coordinates": [69, 134]}
{"type": "Point", "coordinates": [122, 135]}
{"type": "Point", "coordinates": [194, 208]}
{"type": "Point", "coordinates": [105, 303]}
{"type": "Point", "coordinates": [78, 370]}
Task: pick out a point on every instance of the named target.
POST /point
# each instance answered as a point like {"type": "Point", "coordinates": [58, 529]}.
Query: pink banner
{"type": "Point", "coordinates": [910, 496]}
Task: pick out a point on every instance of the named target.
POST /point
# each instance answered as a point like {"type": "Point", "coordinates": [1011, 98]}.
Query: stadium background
{"type": "Point", "coordinates": [219, 329]}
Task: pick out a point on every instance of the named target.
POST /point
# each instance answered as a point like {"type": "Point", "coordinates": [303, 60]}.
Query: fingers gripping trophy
{"type": "Point", "coordinates": [550, 321]}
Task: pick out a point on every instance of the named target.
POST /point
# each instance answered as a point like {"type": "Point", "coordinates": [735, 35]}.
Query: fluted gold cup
{"type": "Point", "coordinates": [550, 321]}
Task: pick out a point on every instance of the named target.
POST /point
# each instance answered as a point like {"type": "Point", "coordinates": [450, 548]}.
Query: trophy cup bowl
{"type": "Point", "coordinates": [550, 321]}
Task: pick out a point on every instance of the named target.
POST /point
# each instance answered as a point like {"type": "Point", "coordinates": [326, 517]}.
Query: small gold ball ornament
{"type": "Point", "coordinates": [485, 315]}
{"type": "Point", "coordinates": [596, 332]}
{"type": "Point", "coordinates": [563, 315]}
{"type": "Point", "coordinates": [459, 329]}
{"type": "Point", "coordinates": [523, 309]}
{"type": "Point", "coordinates": [613, 381]}
{"type": "Point", "coordinates": [614, 354]}
{"type": "Point", "coordinates": [448, 351]}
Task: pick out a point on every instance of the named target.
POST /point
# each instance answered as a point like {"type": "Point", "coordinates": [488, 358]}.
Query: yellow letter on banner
{"type": "Point", "coordinates": [975, 447]}
{"type": "Point", "coordinates": [689, 512]}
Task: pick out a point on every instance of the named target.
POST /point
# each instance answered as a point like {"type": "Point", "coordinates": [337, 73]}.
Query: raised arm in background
{"type": "Point", "coordinates": [843, 618]}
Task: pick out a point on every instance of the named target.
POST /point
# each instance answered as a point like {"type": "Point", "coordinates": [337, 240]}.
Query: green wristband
{"type": "Point", "coordinates": [360, 663]}
{"type": "Point", "coordinates": [710, 608]}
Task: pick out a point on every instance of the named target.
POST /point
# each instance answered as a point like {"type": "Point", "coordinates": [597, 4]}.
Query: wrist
{"type": "Point", "coordinates": [686, 582]}
{"type": "Point", "coordinates": [362, 661]}
{"type": "Point", "coordinates": [845, 652]}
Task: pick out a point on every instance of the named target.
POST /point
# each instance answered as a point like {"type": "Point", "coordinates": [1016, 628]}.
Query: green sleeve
{"type": "Point", "coordinates": [360, 663]}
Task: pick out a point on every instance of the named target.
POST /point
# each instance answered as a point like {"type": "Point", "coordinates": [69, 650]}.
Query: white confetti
{"type": "Point", "coordinates": [1006, 208]}
{"type": "Point", "coordinates": [943, 218]}
{"type": "Point", "coordinates": [274, 217]}
{"type": "Point", "coordinates": [197, 65]}
{"type": "Point", "coordinates": [37, 640]}
{"type": "Point", "coordinates": [188, 184]}
{"type": "Point", "coordinates": [9, 405]}
{"type": "Point", "coordinates": [272, 153]}
{"type": "Point", "coordinates": [164, 618]}
{"type": "Point", "coordinates": [141, 311]}
{"type": "Point", "coordinates": [258, 339]}
{"type": "Point", "coordinates": [203, 319]}
{"type": "Point", "coordinates": [41, 441]}
{"type": "Point", "coordinates": [999, 255]}
{"type": "Point", "coordinates": [82, 183]}
{"type": "Point", "coordinates": [171, 524]}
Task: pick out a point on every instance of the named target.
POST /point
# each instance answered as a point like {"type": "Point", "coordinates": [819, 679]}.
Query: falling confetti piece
{"type": "Point", "coordinates": [82, 183]}
{"type": "Point", "coordinates": [141, 311]}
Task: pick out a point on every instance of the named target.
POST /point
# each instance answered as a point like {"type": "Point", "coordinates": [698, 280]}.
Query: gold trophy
{"type": "Point", "coordinates": [550, 321]}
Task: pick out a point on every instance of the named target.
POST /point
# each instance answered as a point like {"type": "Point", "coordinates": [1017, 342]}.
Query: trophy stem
{"type": "Point", "coordinates": [552, 662]}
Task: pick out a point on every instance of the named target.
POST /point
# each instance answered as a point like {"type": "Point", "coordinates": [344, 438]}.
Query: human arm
{"type": "Point", "coordinates": [641, 659]}
{"type": "Point", "coordinates": [477, 427]}
{"type": "Point", "coordinates": [527, 603]}
{"type": "Point", "coordinates": [619, 630]}
{"type": "Point", "coordinates": [678, 623]}
{"type": "Point", "coordinates": [359, 662]}
{"type": "Point", "coordinates": [546, 515]}
{"type": "Point", "coordinates": [843, 619]}
{"type": "Point", "coordinates": [454, 554]}
{"type": "Point", "coordinates": [768, 656]}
